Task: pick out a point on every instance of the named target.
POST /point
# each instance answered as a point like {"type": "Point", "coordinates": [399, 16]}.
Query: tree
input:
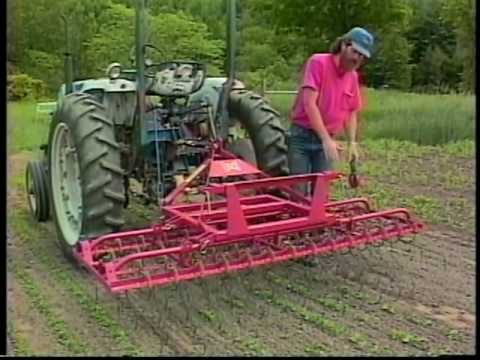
{"type": "Point", "coordinates": [176, 37]}
{"type": "Point", "coordinates": [461, 13]}
{"type": "Point", "coordinates": [434, 60]}
{"type": "Point", "coordinates": [319, 23]}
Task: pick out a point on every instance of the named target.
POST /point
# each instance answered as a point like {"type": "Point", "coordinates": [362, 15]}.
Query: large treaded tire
{"type": "Point", "coordinates": [101, 178]}
{"type": "Point", "coordinates": [37, 190]}
{"type": "Point", "coordinates": [264, 128]}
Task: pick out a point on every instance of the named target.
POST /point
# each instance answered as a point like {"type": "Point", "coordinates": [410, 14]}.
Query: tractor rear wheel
{"type": "Point", "coordinates": [85, 174]}
{"type": "Point", "coordinates": [265, 130]}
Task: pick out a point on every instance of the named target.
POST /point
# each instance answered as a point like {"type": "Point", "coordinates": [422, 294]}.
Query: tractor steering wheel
{"type": "Point", "coordinates": [148, 62]}
{"type": "Point", "coordinates": [176, 78]}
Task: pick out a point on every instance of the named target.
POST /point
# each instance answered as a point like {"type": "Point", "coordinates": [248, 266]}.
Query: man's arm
{"type": "Point", "coordinates": [310, 98]}
{"type": "Point", "coordinates": [351, 128]}
{"type": "Point", "coordinates": [351, 133]}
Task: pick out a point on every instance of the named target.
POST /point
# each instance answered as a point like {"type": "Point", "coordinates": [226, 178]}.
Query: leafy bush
{"type": "Point", "coordinates": [22, 86]}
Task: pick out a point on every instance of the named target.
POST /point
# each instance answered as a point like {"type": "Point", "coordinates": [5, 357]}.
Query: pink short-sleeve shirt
{"type": "Point", "coordinates": [339, 93]}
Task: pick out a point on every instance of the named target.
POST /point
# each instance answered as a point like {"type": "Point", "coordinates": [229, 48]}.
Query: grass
{"type": "Point", "coordinates": [25, 132]}
{"type": "Point", "coordinates": [419, 118]}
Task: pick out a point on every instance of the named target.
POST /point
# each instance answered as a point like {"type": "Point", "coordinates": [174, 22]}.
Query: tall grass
{"type": "Point", "coordinates": [25, 132]}
{"type": "Point", "coordinates": [419, 118]}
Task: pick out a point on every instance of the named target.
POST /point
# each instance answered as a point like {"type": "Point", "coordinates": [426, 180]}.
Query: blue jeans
{"type": "Point", "coordinates": [305, 153]}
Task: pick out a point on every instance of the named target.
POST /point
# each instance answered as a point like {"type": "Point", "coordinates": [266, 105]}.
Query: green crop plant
{"type": "Point", "coordinates": [254, 346]}
{"type": "Point", "coordinates": [359, 339]}
{"type": "Point", "coordinates": [421, 321]}
{"type": "Point", "coordinates": [28, 233]}
{"type": "Point", "coordinates": [316, 349]}
{"type": "Point", "coordinates": [408, 338]}
{"type": "Point", "coordinates": [234, 302]}
{"type": "Point", "coordinates": [20, 344]}
{"type": "Point", "coordinates": [389, 308]}
{"type": "Point", "coordinates": [317, 319]}
{"type": "Point", "coordinates": [209, 315]}
{"type": "Point", "coordinates": [65, 336]}
{"type": "Point", "coordinates": [301, 289]}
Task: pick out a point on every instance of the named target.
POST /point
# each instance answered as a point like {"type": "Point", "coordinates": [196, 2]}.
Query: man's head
{"type": "Point", "coordinates": [354, 48]}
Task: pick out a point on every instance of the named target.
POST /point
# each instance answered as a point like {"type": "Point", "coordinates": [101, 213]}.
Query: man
{"type": "Point", "coordinates": [327, 104]}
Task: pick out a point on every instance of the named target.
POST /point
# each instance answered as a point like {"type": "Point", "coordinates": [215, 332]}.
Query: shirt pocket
{"type": "Point", "coordinates": [347, 101]}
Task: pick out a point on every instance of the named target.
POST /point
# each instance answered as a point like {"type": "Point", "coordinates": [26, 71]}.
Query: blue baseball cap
{"type": "Point", "coordinates": [362, 40]}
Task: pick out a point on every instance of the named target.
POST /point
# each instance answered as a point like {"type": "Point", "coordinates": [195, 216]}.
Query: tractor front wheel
{"type": "Point", "coordinates": [86, 178]}
{"type": "Point", "coordinates": [37, 190]}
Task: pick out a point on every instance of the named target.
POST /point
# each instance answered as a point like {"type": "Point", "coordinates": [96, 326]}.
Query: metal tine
{"type": "Point", "coordinates": [267, 275]}
{"type": "Point", "coordinates": [399, 268]}
{"type": "Point", "coordinates": [359, 255]}
{"type": "Point", "coordinates": [225, 288]}
{"type": "Point", "coordinates": [186, 301]}
{"type": "Point", "coordinates": [127, 299]}
{"type": "Point", "coordinates": [204, 287]}
{"type": "Point", "coordinates": [410, 293]}
{"type": "Point", "coordinates": [211, 284]}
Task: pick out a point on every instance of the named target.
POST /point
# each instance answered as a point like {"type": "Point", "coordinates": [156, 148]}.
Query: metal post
{"type": "Point", "coordinates": [140, 63]}
{"type": "Point", "coordinates": [227, 86]}
{"type": "Point", "coordinates": [231, 43]}
{"type": "Point", "coordinates": [68, 64]}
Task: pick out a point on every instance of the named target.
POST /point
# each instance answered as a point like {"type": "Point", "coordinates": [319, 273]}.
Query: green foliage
{"type": "Point", "coordinates": [175, 35]}
{"type": "Point", "coordinates": [461, 14]}
{"type": "Point", "coordinates": [113, 41]}
{"type": "Point", "coordinates": [24, 87]}
{"type": "Point", "coordinates": [392, 62]}
{"type": "Point", "coordinates": [422, 45]}
{"type": "Point", "coordinates": [179, 36]}
{"type": "Point", "coordinates": [436, 65]}
{"type": "Point", "coordinates": [45, 66]}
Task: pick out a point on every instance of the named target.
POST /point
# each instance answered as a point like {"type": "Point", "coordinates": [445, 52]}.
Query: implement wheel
{"type": "Point", "coordinates": [86, 178]}
{"type": "Point", "coordinates": [37, 190]}
{"type": "Point", "coordinates": [263, 125]}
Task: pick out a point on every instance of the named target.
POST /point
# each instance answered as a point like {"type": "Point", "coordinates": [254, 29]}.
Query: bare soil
{"type": "Point", "coordinates": [403, 298]}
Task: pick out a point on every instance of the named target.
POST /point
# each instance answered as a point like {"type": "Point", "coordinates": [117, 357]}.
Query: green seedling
{"type": "Point", "coordinates": [253, 345]}
{"type": "Point", "coordinates": [28, 233]}
{"type": "Point", "coordinates": [407, 338]}
{"type": "Point", "coordinates": [65, 336]}
{"type": "Point", "coordinates": [317, 349]}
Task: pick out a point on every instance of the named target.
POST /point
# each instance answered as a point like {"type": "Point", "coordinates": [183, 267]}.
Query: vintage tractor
{"type": "Point", "coordinates": [224, 205]}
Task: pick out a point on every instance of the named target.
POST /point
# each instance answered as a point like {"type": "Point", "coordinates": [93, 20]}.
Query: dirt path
{"type": "Point", "coordinates": [398, 299]}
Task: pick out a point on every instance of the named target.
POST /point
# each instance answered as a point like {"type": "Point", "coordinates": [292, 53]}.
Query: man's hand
{"type": "Point", "coordinates": [352, 151]}
{"type": "Point", "coordinates": [331, 149]}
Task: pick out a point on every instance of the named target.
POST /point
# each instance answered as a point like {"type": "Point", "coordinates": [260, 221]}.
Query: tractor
{"type": "Point", "coordinates": [225, 203]}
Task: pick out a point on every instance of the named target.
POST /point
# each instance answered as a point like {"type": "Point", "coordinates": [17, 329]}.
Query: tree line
{"type": "Point", "coordinates": [421, 45]}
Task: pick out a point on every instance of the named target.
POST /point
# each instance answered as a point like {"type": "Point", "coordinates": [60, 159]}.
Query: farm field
{"type": "Point", "coordinates": [414, 296]}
